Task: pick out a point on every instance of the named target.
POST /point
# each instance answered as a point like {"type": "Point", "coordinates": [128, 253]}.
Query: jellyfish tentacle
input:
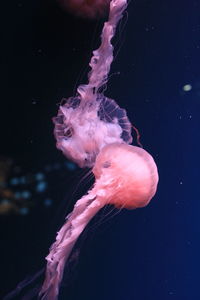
{"type": "Point", "coordinates": [103, 56]}
{"type": "Point", "coordinates": [83, 212]}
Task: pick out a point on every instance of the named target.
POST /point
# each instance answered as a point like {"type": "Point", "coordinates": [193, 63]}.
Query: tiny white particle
{"type": "Point", "coordinates": [187, 87]}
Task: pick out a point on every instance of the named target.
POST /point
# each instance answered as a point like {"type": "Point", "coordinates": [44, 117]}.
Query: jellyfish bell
{"type": "Point", "coordinates": [125, 175]}
{"type": "Point", "coordinates": [84, 127]}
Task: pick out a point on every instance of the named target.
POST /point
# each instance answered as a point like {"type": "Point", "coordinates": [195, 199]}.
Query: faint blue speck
{"type": "Point", "coordinates": [41, 187]}
{"type": "Point", "coordinates": [14, 181]}
{"type": "Point", "coordinates": [48, 202]}
{"type": "Point", "coordinates": [26, 194]}
{"type": "Point", "coordinates": [171, 293]}
{"type": "Point", "coordinates": [39, 176]}
{"type": "Point", "coordinates": [24, 210]}
{"type": "Point", "coordinates": [70, 166]}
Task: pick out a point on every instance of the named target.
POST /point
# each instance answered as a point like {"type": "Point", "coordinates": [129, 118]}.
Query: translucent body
{"type": "Point", "coordinates": [89, 121]}
{"type": "Point", "coordinates": [83, 129]}
{"type": "Point", "coordinates": [126, 176]}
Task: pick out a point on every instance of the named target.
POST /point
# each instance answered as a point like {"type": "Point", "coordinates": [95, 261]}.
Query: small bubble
{"type": "Point", "coordinates": [41, 187]}
{"type": "Point", "coordinates": [187, 87]}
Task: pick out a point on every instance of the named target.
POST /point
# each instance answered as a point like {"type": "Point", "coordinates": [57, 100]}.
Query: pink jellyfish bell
{"type": "Point", "coordinates": [126, 176]}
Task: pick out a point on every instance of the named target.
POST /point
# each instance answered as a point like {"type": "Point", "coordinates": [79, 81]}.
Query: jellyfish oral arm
{"type": "Point", "coordinates": [103, 56]}
{"type": "Point", "coordinates": [83, 212]}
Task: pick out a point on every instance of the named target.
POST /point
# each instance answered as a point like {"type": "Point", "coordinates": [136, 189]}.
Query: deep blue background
{"type": "Point", "coordinates": [149, 253]}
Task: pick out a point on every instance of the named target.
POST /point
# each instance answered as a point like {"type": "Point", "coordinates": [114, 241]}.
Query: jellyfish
{"type": "Point", "coordinates": [127, 177]}
{"type": "Point", "coordinates": [93, 131]}
{"type": "Point", "coordinates": [90, 120]}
